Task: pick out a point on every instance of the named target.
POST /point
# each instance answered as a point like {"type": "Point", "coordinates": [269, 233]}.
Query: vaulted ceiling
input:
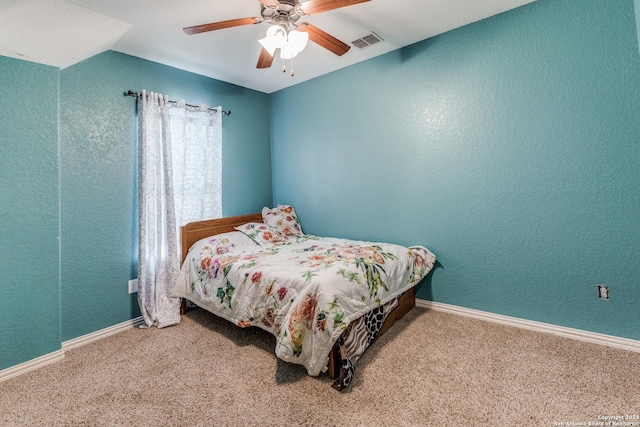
{"type": "Point", "coordinates": [63, 32]}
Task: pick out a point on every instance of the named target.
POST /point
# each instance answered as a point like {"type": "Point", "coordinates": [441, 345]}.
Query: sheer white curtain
{"type": "Point", "coordinates": [197, 157]}
{"type": "Point", "coordinates": [179, 164]}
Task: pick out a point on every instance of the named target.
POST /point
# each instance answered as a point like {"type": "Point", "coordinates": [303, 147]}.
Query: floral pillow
{"type": "Point", "coordinates": [262, 234]}
{"type": "Point", "coordinates": [283, 218]}
{"type": "Point", "coordinates": [225, 242]}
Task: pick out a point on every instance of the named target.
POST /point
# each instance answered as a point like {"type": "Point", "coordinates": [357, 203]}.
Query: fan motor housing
{"type": "Point", "coordinates": [287, 11]}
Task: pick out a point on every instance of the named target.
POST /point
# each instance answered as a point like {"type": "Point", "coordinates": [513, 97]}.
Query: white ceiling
{"type": "Point", "coordinates": [62, 33]}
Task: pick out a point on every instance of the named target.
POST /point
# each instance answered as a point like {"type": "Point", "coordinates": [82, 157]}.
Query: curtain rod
{"type": "Point", "coordinates": [138, 94]}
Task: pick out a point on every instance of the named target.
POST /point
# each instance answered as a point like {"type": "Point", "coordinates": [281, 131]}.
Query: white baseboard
{"type": "Point", "coordinates": [102, 333]}
{"type": "Point", "coordinates": [576, 334]}
{"type": "Point", "coordinates": [56, 356]}
{"type": "Point", "coordinates": [31, 365]}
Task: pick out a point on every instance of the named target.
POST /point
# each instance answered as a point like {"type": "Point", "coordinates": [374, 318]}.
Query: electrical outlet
{"type": "Point", "coordinates": [603, 292]}
{"type": "Point", "coordinates": [133, 286]}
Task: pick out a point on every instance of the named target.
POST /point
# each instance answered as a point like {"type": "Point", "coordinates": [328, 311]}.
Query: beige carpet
{"type": "Point", "coordinates": [431, 369]}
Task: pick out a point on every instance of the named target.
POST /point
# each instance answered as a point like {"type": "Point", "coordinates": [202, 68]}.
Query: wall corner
{"type": "Point", "coordinates": [637, 8]}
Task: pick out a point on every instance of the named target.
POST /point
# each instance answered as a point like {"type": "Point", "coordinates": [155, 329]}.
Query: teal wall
{"type": "Point", "coordinates": [98, 154]}
{"type": "Point", "coordinates": [637, 3]}
{"type": "Point", "coordinates": [509, 147]}
{"type": "Point", "coordinates": [29, 220]}
{"type": "Point", "coordinates": [75, 175]}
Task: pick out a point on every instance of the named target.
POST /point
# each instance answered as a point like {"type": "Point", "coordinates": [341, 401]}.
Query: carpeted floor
{"type": "Point", "coordinates": [431, 369]}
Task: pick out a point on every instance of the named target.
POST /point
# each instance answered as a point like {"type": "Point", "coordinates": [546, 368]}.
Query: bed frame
{"type": "Point", "coordinates": [195, 231]}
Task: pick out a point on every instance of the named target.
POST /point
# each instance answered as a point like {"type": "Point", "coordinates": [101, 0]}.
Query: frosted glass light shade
{"type": "Point", "coordinates": [296, 42]}
{"type": "Point", "coordinates": [276, 37]}
{"type": "Point", "coordinates": [289, 44]}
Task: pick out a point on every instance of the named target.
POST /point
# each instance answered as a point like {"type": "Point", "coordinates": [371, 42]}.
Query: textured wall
{"type": "Point", "coordinates": [637, 3]}
{"type": "Point", "coordinates": [509, 147]}
{"type": "Point", "coordinates": [29, 221]}
{"type": "Point", "coordinates": [98, 154]}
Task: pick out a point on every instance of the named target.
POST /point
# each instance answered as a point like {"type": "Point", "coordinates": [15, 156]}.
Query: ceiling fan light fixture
{"type": "Point", "coordinates": [284, 15]}
{"type": "Point", "coordinates": [296, 42]}
{"type": "Point", "coordinates": [275, 38]}
{"type": "Point", "coordinates": [290, 43]}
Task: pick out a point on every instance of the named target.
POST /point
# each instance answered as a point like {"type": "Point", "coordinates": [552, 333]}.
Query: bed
{"type": "Point", "coordinates": [326, 300]}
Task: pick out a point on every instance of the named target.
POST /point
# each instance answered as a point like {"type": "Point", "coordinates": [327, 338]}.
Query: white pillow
{"type": "Point", "coordinates": [262, 234]}
{"type": "Point", "coordinates": [225, 242]}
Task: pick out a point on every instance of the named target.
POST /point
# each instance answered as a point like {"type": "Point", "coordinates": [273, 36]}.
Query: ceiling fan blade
{"type": "Point", "coordinates": [324, 39]}
{"type": "Point", "coordinates": [221, 24]}
{"type": "Point", "coordinates": [265, 60]}
{"type": "Point", "coordinates": [318, 6]}
{"type": "Point", "coordinates": [270, 2]}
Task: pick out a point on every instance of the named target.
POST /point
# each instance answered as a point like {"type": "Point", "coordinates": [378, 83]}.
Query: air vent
{"type": "Point", "coordinates": [367, 40]}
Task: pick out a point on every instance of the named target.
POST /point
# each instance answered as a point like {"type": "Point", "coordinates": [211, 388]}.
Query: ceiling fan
{"type": "Point", "coordinates": [284, 15]}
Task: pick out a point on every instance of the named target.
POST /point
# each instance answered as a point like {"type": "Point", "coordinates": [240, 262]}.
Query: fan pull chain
{"type": "Point", "coordinates": [284, 67]}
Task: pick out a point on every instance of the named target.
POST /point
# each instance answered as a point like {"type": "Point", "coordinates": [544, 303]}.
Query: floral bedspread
{"type": "Point", "coordinates": [305, 292]}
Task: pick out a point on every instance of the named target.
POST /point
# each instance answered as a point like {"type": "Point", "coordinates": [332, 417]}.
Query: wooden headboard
{"type": "Point", "coordinates": [194, 231]}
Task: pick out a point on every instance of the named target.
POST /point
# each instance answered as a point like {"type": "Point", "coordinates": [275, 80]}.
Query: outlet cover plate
{"type": "Point", "coordinates": [603, 292]}
{"type": "Point", "coordinates": [133, 286]}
